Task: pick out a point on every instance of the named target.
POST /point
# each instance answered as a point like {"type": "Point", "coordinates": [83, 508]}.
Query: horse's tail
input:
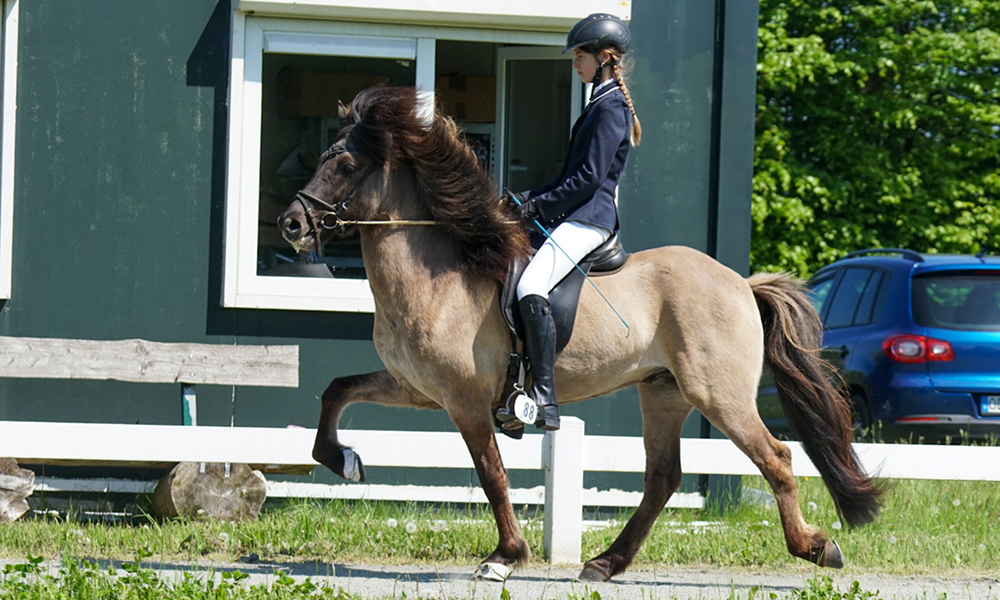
{"type": "Point", "coordinates": [818, 412]}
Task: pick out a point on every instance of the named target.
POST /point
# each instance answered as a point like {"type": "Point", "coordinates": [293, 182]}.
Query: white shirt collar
{"type": "Point", "coordinates": [599, 89]}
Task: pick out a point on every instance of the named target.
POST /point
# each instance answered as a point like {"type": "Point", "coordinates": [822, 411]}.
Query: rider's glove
{"type": "Point", "coordinates": [529, 210]}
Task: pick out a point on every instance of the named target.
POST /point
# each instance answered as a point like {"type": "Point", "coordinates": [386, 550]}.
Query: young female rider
{"type": "Point", "coordinates": [578, 207]}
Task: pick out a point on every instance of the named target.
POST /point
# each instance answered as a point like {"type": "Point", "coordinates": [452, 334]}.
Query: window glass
{"type": "Point", "coordinates": [958, 301]}
{"type": "Point", "coordinates": [847, 297]}
{"type": "Point", "coordinates": [819, 290]}
{"type": "Point", "coordinates": [300, 95]}
{"type": "Point", "coordinates": [866, 308]}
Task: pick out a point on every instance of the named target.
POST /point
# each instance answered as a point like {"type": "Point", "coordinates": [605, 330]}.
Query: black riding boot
{"type": "Point", "coordinates": [540, 342]}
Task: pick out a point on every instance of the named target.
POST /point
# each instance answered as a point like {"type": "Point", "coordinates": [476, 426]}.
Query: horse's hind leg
{"type": "Point", "coordinates": [774, 460]}
{"type": "Point", "coordinates": [379, 387]}
{"type": "Point", "coordinates": [663, 415]}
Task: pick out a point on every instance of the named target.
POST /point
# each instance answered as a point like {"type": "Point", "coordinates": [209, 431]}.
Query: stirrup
{"type": "Point", "coordinates": [519, 410]}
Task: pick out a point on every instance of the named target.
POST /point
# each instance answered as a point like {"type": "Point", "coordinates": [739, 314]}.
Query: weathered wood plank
{"type": "Point", "coordinates": [151, 362]}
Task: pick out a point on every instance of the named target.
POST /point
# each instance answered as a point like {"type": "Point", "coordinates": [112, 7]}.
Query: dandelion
{"type": "Point", "coordinates": [982, 547]}
{"type": "Point", "coordinates": [224, 537]}
{"type": "Point", "coordinates": [411, 527]}
{"type": "Point", "coordinates": [935, 509]}
{"type": "Point", "coordinates": [811, 506]}
{"type": "Point", "coordinates": [391, 523]}
{"type": "Point", "coordinates": [765, 523]}
{"type": "Point", "coordinates": [892, 539]}
{"type": "Point", "coordinates": [378, 534]}
{"type": "Point", "coordinates": [439, 525]}
{"type": "Point", "coordinates": [956, 502]}
{"type": "Point", "coordinates": [836, 525]}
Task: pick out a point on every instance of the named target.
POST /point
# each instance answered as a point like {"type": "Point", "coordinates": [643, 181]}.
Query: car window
{"type": "Point", "coordinates": [819, 290]}
{"type": "Point", "coordinates": [847, 297]}
{"type": "Point", "coordinates": [965, 300]}
{"type": "Point", "coordinates": [869, 310]}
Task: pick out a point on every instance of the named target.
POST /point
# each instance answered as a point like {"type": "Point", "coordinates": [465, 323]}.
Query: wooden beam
{"type": "Point", "coordinates": [151, 362]}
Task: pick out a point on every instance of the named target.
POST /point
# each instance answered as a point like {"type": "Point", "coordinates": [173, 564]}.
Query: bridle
{"type": "Point", "coordinates": [329, 217]}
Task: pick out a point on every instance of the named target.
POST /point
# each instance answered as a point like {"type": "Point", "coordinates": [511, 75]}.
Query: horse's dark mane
{"type": "Point", "coordinates": [388, 128]}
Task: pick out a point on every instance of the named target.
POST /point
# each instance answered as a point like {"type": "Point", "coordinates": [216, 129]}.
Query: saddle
{"type": "Point", "coordinates": [604, 260]}
{"type": "Point", "coordinates": [564, 298]}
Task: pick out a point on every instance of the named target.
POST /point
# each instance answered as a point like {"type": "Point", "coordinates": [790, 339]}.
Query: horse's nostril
{"type": "Point", "coordinates": [291, 226]}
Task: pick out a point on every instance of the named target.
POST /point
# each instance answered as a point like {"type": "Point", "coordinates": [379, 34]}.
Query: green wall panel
{"type": "Point", "coordinates": [120, 185]}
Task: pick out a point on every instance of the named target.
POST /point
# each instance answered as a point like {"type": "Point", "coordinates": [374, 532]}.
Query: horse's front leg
{"type": "Point", "coordinates": [379, 387]}
{"type": "Point", "coordinates": [476, 428]}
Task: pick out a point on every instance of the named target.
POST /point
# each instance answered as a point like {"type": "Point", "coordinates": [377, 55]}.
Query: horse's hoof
{"type": "Point", "coordinates": [592, 574]}
{"type": "Point", "coordinates": [832, 557]}
{"type": "Point", "coordinates": [493, 572]}
{"type": "Point", "coordinates": [353, 469]}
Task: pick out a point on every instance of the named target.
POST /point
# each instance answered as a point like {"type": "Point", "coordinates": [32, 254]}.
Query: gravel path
{"type": "Point", "coordinates": [557, 583]}
{"type": "Point", "coordinates": [453, 582]}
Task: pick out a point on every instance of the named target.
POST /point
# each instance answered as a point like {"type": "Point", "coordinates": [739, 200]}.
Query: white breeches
{"type": "Point", "coordinates": [567, 245]}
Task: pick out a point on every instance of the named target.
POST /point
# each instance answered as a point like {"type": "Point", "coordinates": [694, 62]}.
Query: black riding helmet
{"type": "Point", "coordinates": [596, 31]}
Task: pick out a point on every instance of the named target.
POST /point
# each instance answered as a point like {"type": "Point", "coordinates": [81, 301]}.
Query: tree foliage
{"type": "Point", "coordinates": [878, 125]}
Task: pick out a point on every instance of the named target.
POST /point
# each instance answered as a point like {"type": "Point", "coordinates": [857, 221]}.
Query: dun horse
{"type": "Point", "coordinates": [699, 332]}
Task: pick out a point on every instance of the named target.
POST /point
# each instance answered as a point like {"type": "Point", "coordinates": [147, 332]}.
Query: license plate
{"type": "Point", "coordinates": [991, 405]}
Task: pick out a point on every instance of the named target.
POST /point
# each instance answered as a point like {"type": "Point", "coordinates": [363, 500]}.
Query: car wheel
{"type": "Point", "coordinates": [861, 418]}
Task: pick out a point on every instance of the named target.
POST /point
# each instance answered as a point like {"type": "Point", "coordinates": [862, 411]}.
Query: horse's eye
{"type": "Point", "coordinates": [347, 168]}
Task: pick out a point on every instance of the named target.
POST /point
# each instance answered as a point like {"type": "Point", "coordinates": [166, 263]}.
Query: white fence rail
{"type": "Point", "coordinates": [564, 455]}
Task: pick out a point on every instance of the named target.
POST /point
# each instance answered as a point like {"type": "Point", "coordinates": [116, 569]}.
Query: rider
{"type": "Point", "coordinates": [578, 207]}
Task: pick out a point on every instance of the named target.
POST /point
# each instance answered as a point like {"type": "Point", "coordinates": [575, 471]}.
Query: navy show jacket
{"type": "Point", "coordinates": [585, 190]}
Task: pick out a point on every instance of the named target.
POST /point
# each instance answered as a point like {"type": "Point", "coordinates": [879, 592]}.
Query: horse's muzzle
{"type": "Point", "coordinates": [294, 226]}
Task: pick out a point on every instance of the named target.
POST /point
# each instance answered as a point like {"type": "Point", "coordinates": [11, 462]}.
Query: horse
{"type": "Point", "coordinates": [699, 333]}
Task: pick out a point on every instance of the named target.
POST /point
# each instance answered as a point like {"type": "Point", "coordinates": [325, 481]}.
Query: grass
{"type": "Point", "coordinates": [926, 527]}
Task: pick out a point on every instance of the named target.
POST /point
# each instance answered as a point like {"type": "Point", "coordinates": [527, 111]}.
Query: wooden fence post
{"type": "Point", "coordinates": [562, 459]}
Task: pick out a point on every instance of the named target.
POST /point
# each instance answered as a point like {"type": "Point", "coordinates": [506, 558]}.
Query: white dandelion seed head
{"type": "Point", "coordinates": [956, 502]}
{"type": "Point", "coordinates": [765, 523]}
{"type": "Point", "coordinates": [982, 547]}
{"type": "Point", "coordinates": [224, 537]}
{"type": "Point", "coordinates": [378, 534]}
{"type": "Point", "coordinates": [439, 525]}
{"type": "Point", "coordinates": [411, 527]}
{"type": "Point", "coordinates": [391, 523]}
{"type": "Point", "coordinates": [811, 506]}
{"type": "Point", "coordinates": [836, 525]}
{"type": "Point", "coordinates": [893, 539]}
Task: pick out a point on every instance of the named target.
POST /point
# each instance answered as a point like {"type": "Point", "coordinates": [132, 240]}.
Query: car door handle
{"type": "Point", "coordinates": [844, 351]}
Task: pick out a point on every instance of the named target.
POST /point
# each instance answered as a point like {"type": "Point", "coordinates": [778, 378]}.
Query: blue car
{"type": "Point", "coordinates": [916, 339]}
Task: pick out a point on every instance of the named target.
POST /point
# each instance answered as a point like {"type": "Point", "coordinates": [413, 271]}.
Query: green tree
{"type": "Point", "coordinates": [878, 125]}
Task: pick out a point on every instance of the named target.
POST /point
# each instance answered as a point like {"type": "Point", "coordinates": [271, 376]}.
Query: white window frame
{"type": "Point", "coordinates": [254, 35]}
{"type": "Point", "coordinates": [8, 37]}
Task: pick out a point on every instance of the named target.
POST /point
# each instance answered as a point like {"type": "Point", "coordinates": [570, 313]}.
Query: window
{"type": "Point", "coordinates": [8, 37]}
{"type": "Point", "coordinates": [854, 298]}
{"type": "Point", "coordinates": [286, 78]}
{"type": "Point", "coordinates": [965, 301]}
{"type": "Point", "coordinates": [819, 290]}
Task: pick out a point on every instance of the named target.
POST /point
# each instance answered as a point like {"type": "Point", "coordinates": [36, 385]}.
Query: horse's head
{"type": "Point", "coordinates": [337, 187]}
{"type": "Point", "coordinates": [343, 187]}
{"type": "Point", "coordinates": [390, 160]}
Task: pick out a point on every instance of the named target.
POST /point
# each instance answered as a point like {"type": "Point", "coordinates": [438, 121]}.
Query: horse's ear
{"type": "Point", "coordinates": [343, 111]}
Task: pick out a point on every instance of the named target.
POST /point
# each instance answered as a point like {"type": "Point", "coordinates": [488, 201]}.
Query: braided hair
{"type": "Point", "coordinates": [620, 71]}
